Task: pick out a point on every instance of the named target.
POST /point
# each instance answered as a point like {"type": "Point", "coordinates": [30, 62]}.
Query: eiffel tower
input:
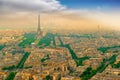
{"type": "Point", "coordinates": [39, 32]}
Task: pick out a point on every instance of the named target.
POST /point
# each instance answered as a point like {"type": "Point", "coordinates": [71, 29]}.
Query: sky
{"type": "Point", "coordinates": [91, 4]}
{"type": "Point", "coordinates": [23, 13]}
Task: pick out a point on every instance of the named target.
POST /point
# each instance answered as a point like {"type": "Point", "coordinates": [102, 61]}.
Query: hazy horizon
{"type": "Point", "coordinates": [59, 14]}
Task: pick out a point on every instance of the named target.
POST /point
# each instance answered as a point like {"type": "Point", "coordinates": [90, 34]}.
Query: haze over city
{"type": "Point", "coordinates": [59, 40]}
{"type": "Point", "coordinates": [88, 13]}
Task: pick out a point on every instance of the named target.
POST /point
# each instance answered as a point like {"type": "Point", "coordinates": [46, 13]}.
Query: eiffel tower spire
{"type": "Point", "coordinates": [39, 33]}
{"type": "Point", "coordinates": [38, 30]}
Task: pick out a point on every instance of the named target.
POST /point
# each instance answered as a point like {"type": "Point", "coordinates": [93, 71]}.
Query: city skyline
{"type": "Point", "coordinates": [22, 13]}
{"type": "Point", "coordinates": [59, 40]}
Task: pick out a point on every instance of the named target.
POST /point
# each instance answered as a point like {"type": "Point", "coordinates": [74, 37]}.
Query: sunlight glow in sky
{"type": "Point", "coordinates": [104, 11]}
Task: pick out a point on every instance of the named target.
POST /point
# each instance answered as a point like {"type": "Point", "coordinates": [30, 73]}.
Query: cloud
{"type": "Point", "coordinates": [39, 6]}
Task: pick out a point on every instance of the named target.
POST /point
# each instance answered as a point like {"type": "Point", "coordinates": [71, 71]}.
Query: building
{"type": "Point", "coordinates": [39, 32]}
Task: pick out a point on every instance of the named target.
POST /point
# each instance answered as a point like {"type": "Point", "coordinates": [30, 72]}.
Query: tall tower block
{"type": "Point", "coordinates": [99, 31]}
